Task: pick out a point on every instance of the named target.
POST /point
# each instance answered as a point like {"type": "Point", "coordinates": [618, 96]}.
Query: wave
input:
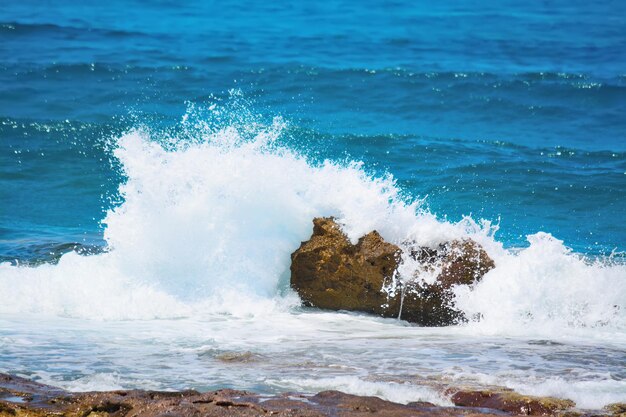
{"type": "Point", "coordinates": [471, 81]}
{"type": "Point", "coordinates": [28, 253]}
{"type": "Point", "coordinates": [25, 71]}
{"type": "Point", "coordinates": [212, 210]}
{"type": "Point", "coordinates": [304, 140]}
{"type": "Point", "coordinates": [403, 393]}
{"type": "Point", "coordinates": [43, 29]}
{"type": "Point", "coordinates": [547, 285]}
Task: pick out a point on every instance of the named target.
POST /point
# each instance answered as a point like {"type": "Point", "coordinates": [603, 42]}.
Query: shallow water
{"type": "Point", "coordinates": [183, 152]}
{"type": "Point", "coordinates": [309, 351]}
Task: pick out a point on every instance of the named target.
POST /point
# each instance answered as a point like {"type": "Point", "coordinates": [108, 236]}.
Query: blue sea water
{"type": "Point", "coordinates": [509, 111]}
{"type": "Point", "coordinates": [185, 147]}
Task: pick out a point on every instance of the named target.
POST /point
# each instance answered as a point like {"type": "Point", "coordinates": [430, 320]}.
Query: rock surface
{"type": "Point", "coordinates": [512, 402]}
{"type": "Point", "coordinates": [330, 272]}
{"type": "Point", "coordinates": [617, 409]}
{"type": "Point", "coordinates": [20, 398]}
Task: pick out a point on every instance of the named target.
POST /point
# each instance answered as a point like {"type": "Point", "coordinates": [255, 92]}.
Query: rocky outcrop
{"type": "Point", "coordinates": [617, 409]}
{"type": "Point", "coordinates": [330, 272]}
{"type": "Point", "coordinates": [20, 398]}
{"type": "Point", "coordinates": [512, 402]}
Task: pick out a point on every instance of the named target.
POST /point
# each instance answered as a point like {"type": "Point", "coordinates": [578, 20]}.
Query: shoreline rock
{"type": "Point", "coordinates": [330, 272]}
{"type": "Point", "coordinates": [511, 402]}
{"type": "Point", "coordinates": [20, 397]}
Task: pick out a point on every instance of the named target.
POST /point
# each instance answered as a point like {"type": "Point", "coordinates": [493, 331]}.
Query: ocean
{"type": "Point", "coordinates": [159, 163]}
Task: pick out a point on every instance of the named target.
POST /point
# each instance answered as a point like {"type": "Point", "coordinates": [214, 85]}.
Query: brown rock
{"type": "Point", "coordinates": [512, 402]}
{"type": "Point", "coordinates": [329, 272]}
{"type": "Point", "coordinates": [22, 398]}
{"type": "Point", "coordinates": [464, 262]}
{"type": "Point", "coordinates": [617, 409]}
{"type": "Point", "coordinates": [238, 357]}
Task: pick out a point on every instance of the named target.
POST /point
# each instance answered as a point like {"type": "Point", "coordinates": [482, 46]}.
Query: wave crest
{"type": "Point", "coordinates": [212, 209]}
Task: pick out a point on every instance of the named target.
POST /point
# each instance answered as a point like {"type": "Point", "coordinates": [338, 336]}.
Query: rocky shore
{"type": "Point", "coordinates": [20, 397]}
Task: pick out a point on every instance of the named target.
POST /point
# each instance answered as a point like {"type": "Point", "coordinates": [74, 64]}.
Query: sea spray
{"type": "Point", "coordinates": [215, 211]}
{"type": "Point", "coordinates": [549, 288]}
{"type": "Point", "coordinates": [212, 209]}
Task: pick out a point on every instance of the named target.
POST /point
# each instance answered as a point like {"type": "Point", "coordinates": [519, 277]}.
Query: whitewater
{"type": "Point", "coordinates": [192, 289]}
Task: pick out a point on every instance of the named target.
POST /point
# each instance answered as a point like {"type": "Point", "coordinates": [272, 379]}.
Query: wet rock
{"type": "Point", "coordinates": [461, 262]}
{"type": "Point", "coordinates": [512, 402]}
{"type": "Point", "coordinates": [238, 357]}
{"type": "Point", "coordinates": [330, 272]}
{"type": "Point", "coordinates": [42, 400]}
{"type": "Point", "coordinates": [617, 409]}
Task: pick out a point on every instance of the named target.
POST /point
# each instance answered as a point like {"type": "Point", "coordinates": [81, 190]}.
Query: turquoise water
{"type": "Point", "coordinates": [183, 149]}
{"type": "Point", "coordinates": [512, 112]}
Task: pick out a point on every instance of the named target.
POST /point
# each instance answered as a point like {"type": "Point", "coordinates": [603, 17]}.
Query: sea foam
{"type": "Point", "coordinates": [211, 213]}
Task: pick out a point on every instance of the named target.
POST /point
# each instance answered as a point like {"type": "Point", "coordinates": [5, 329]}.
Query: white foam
{"type": "Point", "coordinates": [94, 382]}
{"type": "Point", "coordinates": [90, 287]}
{"type": "Point", "coordinates": [402, 393]}
{"type": "Point", "coordinates": [586, 394]}
{"type": "Point", "coordinates": [590, 392]}
{"type": "Point", "coordinates": [217, 211]}
{"type": "Point", "coordinates": [547, 289]}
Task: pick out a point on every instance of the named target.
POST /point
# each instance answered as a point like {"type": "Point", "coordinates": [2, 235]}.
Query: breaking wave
{"type": "Point", "coordinates": [211, 210]}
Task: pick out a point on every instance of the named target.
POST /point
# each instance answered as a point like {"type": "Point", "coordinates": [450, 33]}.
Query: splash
{"type": "Point", "coordinates": [212, 209]}
{"type": "Point", "coordinates": [402, 393]}
{"type": "Point", "coordinates": [210, 213]}
{"type": "Point", "coordinates": [548, 287]}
